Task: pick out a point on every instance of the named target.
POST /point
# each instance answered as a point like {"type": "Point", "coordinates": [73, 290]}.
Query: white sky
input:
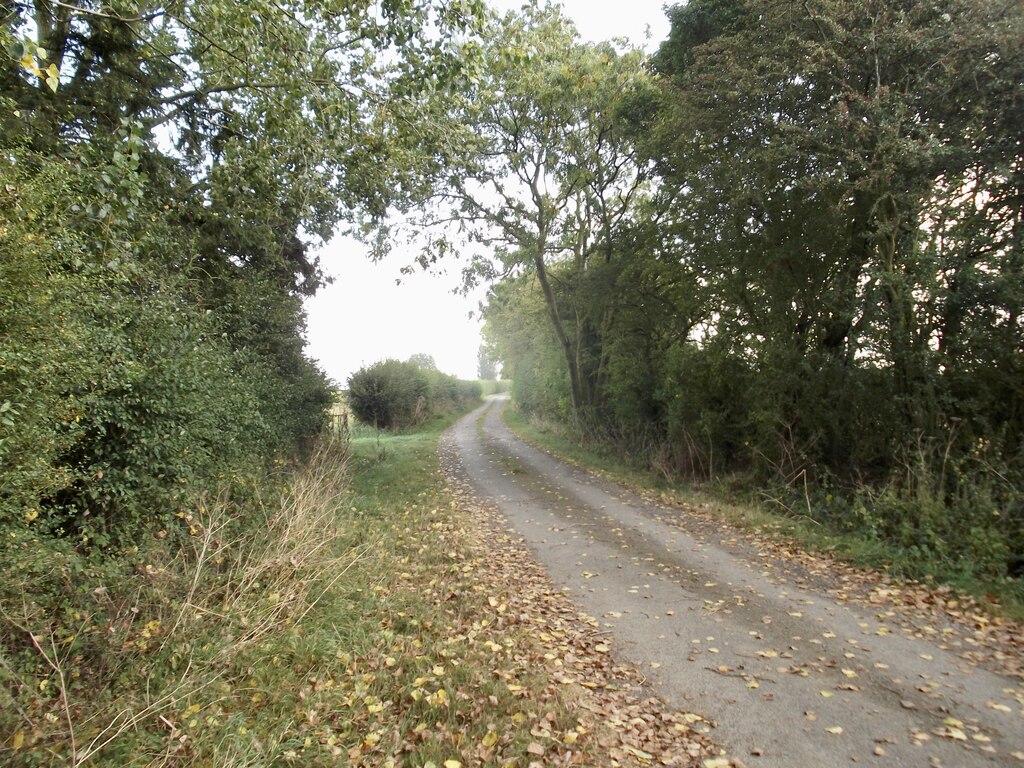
{"type": "Point", "coordinates": [372, 312]}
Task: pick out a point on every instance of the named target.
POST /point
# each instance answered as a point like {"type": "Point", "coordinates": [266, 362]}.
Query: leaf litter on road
{"type": "Point", "coordinates": [620, 722]}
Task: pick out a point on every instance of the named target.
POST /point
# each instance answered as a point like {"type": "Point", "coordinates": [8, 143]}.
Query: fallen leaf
{"type": "Point", "coordinates": [638, 753]}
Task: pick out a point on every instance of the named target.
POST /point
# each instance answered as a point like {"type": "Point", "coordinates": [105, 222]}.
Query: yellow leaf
{"type": "Point", "coordinates": [835, 730]}
{"type": "Point", "coordinates": [826, 694]}
{"type": "Point", "coordinates": [18, 741]}
{"type": "Point", "coordinates": [490, 739]}
{"type": "Point", "coordinates": [452, 764]}
{"type": "Point", "coordinates": [440, 698]}
{"type": "Point", "coordinates": [28, 62]}
{"type": "Point", "coordinates": [638, 753]}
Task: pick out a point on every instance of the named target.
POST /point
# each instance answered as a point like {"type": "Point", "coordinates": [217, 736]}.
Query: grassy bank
{"type": "Point", "coordinates": [1005, 595]}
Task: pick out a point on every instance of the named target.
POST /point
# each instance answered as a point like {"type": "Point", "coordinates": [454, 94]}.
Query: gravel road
{"type": "Point", "coordinates": [791, 675]}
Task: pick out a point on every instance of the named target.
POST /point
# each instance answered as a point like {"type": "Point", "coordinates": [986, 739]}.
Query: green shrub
{"type": "Point", "coordinates": [123, 389]}
{"type": "Point", "coordinates": [388, 395]}
{"type": "Point", "coordinates": [395, 395]}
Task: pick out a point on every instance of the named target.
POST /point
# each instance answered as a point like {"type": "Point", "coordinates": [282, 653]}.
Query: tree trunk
{"type": "Point", "coordinates": [575, 391]}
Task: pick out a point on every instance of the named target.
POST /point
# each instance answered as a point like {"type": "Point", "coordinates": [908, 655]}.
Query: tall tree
{"type": "Point", "coordinates": [547, 175]}
{"type": "Point", "coordinates": [819, 149]}
{"type": "Point", "coordinates": [171, 162]}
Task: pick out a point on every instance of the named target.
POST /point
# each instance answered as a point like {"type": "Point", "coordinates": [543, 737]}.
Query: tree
{"type": "Point", "coordinates": [486, 367]}
{"type": "Point", "coordinates": [547, 176]}
{"type": "Point", "coordinates": [423, 360]}
{"type": "Point", "coordinates": [825, 282]}
{"type": "Point", "coordinates": [171, 162]}
{"type": "Point", "coordinates": [278, 112]}
{"type": "Point", "coordinates": [820, 155]}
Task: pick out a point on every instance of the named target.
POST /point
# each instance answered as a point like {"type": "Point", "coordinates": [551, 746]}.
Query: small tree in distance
{"type": "Point", "coordinates": [424, 360]}
{"type": "Point", "coordinates": [485, 364]}
{"type": "Point", "coordinates": [395, 395]}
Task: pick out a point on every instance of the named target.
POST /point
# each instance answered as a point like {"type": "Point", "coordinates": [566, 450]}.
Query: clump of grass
{"type": "Point", "coordinates": [147, 657]}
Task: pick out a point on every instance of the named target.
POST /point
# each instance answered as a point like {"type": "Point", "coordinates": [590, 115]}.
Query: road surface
{"type": "Point", "coordinates": [792, 676]}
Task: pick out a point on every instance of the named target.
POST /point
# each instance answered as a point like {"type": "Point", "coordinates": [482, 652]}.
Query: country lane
{"type": "Point", "coordinates": [791, 675]}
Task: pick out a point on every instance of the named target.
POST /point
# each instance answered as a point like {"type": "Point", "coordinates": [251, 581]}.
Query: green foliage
{"type": "Point", "coordinates": [486, 367]}
{"type": "Point", "coordinates": [386, 394]}
{"type": "Point", "coordinates": [824, 284]}
{"type": "Point", "coordinates": [494, 386]}
{"type": "Point", "coordinates": [163, 171]}
{"type": "Point", "coordinates": [544, 174]}
{"type": "Point", "coordinates": [395, 395]}
{"type": "Point", "coordinates": [125, 396]}
{"type": "Point", "coordinates": [154, 212]}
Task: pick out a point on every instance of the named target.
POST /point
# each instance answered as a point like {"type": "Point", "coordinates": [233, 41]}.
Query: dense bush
{"type": "Point", "coordinates": [393, 395]}
{"type": "Point", "coordinates": [124, 386]}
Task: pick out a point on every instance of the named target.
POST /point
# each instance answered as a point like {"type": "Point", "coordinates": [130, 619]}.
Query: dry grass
{"type": "Point", "coordinates": [102, 660]}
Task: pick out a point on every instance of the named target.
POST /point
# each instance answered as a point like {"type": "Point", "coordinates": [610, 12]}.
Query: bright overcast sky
{"type": "Point", "coordinates": [372, 312]}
